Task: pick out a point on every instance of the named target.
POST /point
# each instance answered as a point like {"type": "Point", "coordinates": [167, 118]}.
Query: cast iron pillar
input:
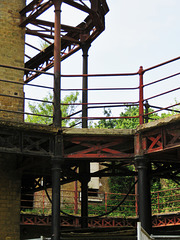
{"type": "Point", "coordinates": [57, 161]}
{"type": "Point", "coordinates": [85, 48]}
{"type": "Point", "coordinates": [144, 194]}
{"type": "Point", "coordinates": [84, 171]}
{"type": "Point", "coordinates": [57, 64]}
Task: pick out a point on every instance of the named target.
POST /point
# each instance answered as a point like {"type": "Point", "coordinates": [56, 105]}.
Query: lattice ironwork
{"type": "Point", "coordinates": [98, 148]}
{"type": "Point", "coordinates": [24, 142]}
{"type": "Point", "coordinates": [37, 143]}
{"type": "Point", "coordinates": [157, 221]}
{"type": "Point", "coordinates": [35, 220]}
{"type": "Point", "coordinates": [162, 138]}
{"type": "Point", "coordinates": [172, 137]}
{"type": "Point", "coordinates": [9, 140]}
{"type": "Point", "coordinates": [166, 220]}
{"type": "Point", "coordinates": [75, 222]}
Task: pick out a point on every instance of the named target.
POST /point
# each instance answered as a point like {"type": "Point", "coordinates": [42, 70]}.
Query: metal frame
{"type": "Point", "coordinates": [157, 221]}
{"type": "Point", "coordinates": [71, 37]}
{"type": "Point", "coordinates": [159, 141]}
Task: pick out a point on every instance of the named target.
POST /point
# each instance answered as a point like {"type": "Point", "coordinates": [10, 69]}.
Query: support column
{"type": "Point", "coordinates": [84, 172]}
{"type": "Point", "coordinates": [56, 169]}
{"type": "Point", "coordinates": [57, 64]}
{"type": "Point", "coordinates": [144, 194]}
{"type": "Point", "coordinates": [57, 161]}
{"type": "Point", "coordinates": [84, 169]}
{"type": "Point", "coordinates": [85, 49]}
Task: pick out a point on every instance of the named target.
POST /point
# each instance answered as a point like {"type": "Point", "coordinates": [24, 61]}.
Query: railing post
{"type": "Point", "coordinates": [105, 200]}
{"type": "Point", "coordinates": [75, 198]}
{"type": "Point", "coordinates": [158, 201]}
{"type": "Point", "coordinates": [136, 200]}
{"type": "Point", "coordinates": [43, 202]}
{"type": "Point", "coordinates": [141, 98]}
{"type": "Point", "coordinates": [146, 111]}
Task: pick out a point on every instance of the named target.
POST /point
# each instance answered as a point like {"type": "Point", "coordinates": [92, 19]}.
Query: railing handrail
{"type": "Point", "coordinates": [26, 69]}
{"type": "Point", "coordinates": [141, 102]}
{"type": "Point", "coordinates": [161, 64]}
{"type": "Point", "coordinates": [71, 201]}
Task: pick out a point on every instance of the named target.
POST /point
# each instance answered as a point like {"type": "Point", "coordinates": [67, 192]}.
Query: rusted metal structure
{"type": "Point", "coordinates": [80, 36]}
{"type": "Point", "coordinates": [53, 153]}
{"type": "Point", "coordinates": [165, 209]}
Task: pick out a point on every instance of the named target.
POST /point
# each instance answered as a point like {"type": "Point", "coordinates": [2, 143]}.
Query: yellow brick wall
{"type": "Point", "coordinates": [11, 53]}
{"type": "Point", "coordinates": [10, 186]}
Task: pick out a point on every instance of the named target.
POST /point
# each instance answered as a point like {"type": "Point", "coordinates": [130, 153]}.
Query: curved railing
{"type": "Point", "coordinates": [153, 90]}
{"type": "Point", "coordinates": [100, 203]}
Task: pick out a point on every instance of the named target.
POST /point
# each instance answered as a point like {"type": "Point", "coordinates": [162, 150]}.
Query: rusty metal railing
{"type": "Point", "coordinates": [163, 202]}
{"type": "Point", "coordinates": [105, 91]}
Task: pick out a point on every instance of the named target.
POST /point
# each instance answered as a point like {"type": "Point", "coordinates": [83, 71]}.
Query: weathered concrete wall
{"type": "Point", "coordinates": [11, 53]}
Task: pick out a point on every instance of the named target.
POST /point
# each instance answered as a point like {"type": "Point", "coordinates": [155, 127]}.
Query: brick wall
{"type": "Point", "coordinates": [11, 53]}
{"type": "Point", "coordinates": [10, 185]}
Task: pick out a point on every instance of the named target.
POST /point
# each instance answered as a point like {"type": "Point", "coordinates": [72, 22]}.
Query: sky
{"type": "Point", "coordinates": [138, 33]}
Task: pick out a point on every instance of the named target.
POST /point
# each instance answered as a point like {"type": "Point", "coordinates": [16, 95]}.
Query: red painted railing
{"type": "Point", "coordinates": [163, 202]}
{"type": "Point", "coordinates": [155, 88]}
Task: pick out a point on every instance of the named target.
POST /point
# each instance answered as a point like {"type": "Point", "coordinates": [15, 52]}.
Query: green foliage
{"type": "Point", "coordinates": [167, 198]}
{"type": "Point", "coordinates": [37, 211]}
{"type": "Point", "coordinates": [133, 121]}
{"type": "Point", "coordinates": [122, 123]}
{"type": "Point", "coordinates": [44, 45]}
{"type": "Point", "coordinates": [121, 184]}
{"type": "Point", "coordinates": [45, 108]}
{"type": "Point", "coordinates": [96, 209]}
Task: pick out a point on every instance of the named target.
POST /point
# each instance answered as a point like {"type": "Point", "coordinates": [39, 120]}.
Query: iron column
{"type": "Point", "coordinates": [144, 194]}
{"type": "Point", "coordinates": [84, 171]}
{"type": "Point", "coordinates": [57, 159]}
{"type": "Point", "coordinates": [85, 48]}
{"type": "Point", "coordinates": [84, 166]}
{"type": "Point", "coordinates": [57, 64]}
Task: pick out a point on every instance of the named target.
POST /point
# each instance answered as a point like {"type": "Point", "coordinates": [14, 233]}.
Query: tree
{"type": "Point", "coordinates": [121, 123]}
{"type": "Point", "coordinates": [43, 112]}
{"type": "Point", "coordinates": [129, 123]}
